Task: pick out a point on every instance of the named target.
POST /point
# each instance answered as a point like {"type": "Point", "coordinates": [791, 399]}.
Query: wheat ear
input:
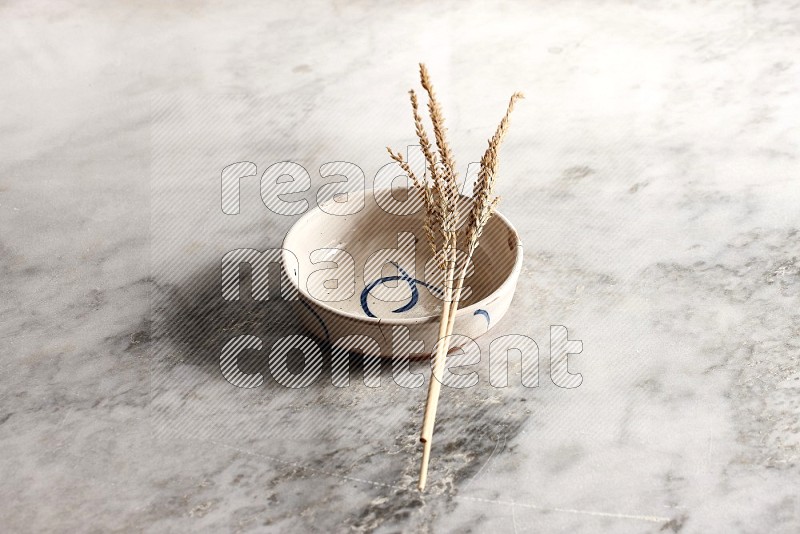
{"type": "Point", "coordinates": [447, 192]}
{"type": "Point", "coordinates": [484, 205]}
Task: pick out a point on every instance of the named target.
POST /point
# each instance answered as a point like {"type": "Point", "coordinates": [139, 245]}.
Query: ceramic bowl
{"type": "Point", "coordinates": [367, 281]}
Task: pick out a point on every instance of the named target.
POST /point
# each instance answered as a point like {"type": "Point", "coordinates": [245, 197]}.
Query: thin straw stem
{"type": "Point", "coordinates": [435, 385]}
{"type": "Point", "coordinates": [443, 347]}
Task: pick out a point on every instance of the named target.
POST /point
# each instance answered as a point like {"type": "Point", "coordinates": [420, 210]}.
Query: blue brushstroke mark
{"type": "Point", "coordinates": [485, 314]}
{"type": "Point", "coordinates": [403, 277]}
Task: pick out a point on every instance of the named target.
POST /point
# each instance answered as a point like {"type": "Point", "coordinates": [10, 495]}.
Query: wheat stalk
{"type": "Point", "coordinates": [440, 197]}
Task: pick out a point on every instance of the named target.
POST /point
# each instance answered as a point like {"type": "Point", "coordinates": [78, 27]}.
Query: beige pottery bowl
{"type": "Point", "coordinates": [368, 282]}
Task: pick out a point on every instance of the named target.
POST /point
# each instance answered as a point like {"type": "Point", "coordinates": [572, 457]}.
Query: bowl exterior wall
{"type": "Point", "coordinates": [415, 340]}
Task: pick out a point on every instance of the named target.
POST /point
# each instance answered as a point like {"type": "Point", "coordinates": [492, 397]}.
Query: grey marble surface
{"type": "Point", "coordinates": [652, 173]}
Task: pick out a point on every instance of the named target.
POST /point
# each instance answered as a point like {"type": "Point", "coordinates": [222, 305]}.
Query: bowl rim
{"type": "Point", "coordinates": [511, 279]}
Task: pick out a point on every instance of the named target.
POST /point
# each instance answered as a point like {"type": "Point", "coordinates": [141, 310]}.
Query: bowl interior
{"type": "Point", "coordinates": [378, 264]}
